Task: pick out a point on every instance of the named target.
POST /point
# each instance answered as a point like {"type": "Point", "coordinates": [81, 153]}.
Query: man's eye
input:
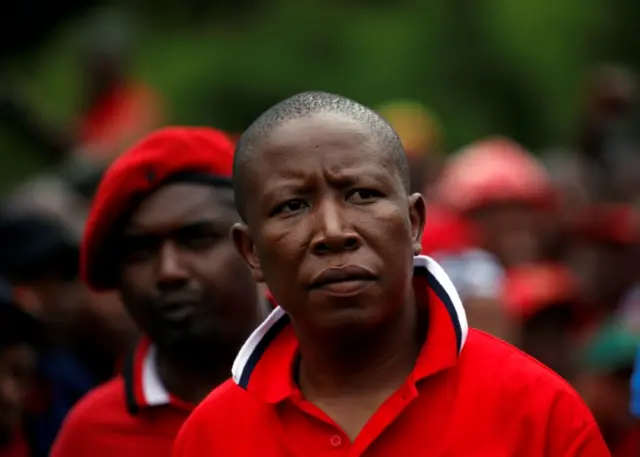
{"type": "Point", "coordinates": [363, 195]}
{"type": "Point", "coordinates": [292, 206]}
{"type": "Point", "coordinates": [199, 242]}
{"type": "Point", "coordinates": [140, 250]}
{"type": "Point", "coordinates": [199, 237]}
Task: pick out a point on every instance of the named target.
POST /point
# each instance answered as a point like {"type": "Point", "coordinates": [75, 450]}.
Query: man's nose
{"type": "Point", "coordinates": [171, 269]}
{"type": "Point", "coordinates": [333, 232]}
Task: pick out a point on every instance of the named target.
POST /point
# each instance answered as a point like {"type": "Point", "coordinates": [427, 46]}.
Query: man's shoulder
{"type": "Point", "coordinates": [103, 402]}
{"type": "Point", "coordinates": [225, 400]}
{"type": "Point", "coordinates": [94, 413]}
{"type": "Point", "coordinates": [522, 394]}
{"type": "Point", "coordinates": [220, 419]}
{"type": "Point", "coordinates": [494, 359]}
{"type": "Point", "coordinates": [489, 365]}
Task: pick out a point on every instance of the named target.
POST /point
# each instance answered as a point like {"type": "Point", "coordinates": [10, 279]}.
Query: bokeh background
{"type": "Point", "coordinates": [486, 67]}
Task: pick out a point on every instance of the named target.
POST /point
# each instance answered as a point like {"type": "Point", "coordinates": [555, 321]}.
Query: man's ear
{"type": "Point", "coordinates": [418, 217]}
{"type": "Point", "coordinates": [245, 247]}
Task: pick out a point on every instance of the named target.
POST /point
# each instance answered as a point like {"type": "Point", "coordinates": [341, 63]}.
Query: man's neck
{"type": "Point", "coordinates": [190, 384]}
{"type": "Point", "coordinates": [377, 360]}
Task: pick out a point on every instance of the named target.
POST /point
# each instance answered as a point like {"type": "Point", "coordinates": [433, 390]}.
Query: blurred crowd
{"type": "Point", "coordinates": [543, 247]}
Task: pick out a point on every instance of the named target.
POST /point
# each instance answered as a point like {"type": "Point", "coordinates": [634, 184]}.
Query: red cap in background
{"type": "Point", "coordinates": [533, 288]}
{"type": "Point", "coordinates": [492, 171]}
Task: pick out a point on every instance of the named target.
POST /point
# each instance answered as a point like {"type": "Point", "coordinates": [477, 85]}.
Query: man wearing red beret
{"type": "Point", "coordinates": [369, 353]}
{"type": "Point", "coordinates": [158, 234]}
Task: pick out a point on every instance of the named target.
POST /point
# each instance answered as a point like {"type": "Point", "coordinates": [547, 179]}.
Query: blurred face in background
{"type": "Point", "coordinates": [17, 367]}
{"type": "Point", "coordinates": [488, 314]}
{"type": "Point", "coordinates": [611, 96]}
{"type": "Point", "coordinates": [546, 337]}
{"type": "Point", "coordinates": [56, 301]}
{"type": "Point", "coordinates": [605, 270]}
{"type": "Point", "coordinates": [512, 231]}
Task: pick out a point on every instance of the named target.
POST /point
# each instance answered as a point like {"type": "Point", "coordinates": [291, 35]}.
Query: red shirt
{"type": "Point", "coordinates": [469, 395]}
{"type": "Point", "coordinates": [132, 415]}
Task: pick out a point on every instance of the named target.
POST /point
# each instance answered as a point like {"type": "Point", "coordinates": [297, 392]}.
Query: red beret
{"type": "Point", "coordinates": [136, 173]}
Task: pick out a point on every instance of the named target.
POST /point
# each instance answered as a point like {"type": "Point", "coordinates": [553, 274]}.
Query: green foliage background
{"type": "Point", "coordinates": [510, 67]}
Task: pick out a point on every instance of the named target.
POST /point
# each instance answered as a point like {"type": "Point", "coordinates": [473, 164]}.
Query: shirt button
{"type": "Point", "coordinates": [336, 441]}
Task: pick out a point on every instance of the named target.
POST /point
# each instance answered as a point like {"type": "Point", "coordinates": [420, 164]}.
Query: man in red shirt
{"type": "Point", "coordinates": [158, 233]}
{"type": "Point", "coordinates": [369, 352]}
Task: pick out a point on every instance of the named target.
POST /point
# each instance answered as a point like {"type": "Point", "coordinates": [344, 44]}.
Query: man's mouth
{"type": "Point", "coordinates": [178, 313]}
{"type": "Point", "coordinates": [177, 310]}
{"type": "Point", "coordinates": [347, 280]}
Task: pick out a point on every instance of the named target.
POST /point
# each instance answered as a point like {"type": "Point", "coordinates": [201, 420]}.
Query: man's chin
{"type": "Point", "coordinates": [349, 321]}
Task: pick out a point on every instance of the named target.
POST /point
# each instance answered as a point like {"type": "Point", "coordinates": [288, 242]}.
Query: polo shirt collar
{"type": "Point", "coordinates": [143, 386]}
{"type": "Point", "coordinates": [264, 363]}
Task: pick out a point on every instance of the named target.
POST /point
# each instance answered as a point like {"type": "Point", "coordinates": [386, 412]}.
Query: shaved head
{"type": "Point", "coordinates": [308, 104]}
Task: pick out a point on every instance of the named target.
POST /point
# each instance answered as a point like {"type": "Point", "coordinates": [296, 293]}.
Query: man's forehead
{"type": "Point", "coordinates": [183, 203]}
{"type": "Point", "coordinates": [318, 128]}
{"type": "Point", "coordinates": [331, 139]}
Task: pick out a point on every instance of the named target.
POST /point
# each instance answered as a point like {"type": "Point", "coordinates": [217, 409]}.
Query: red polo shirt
{"type": "Point", "coordinates": [131, 415]}
{"type": "Point", "coordinates": [468, 395]}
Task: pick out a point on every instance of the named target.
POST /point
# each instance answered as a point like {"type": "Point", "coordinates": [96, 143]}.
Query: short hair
{"type": "Point", "coordinates": [304, 105]}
